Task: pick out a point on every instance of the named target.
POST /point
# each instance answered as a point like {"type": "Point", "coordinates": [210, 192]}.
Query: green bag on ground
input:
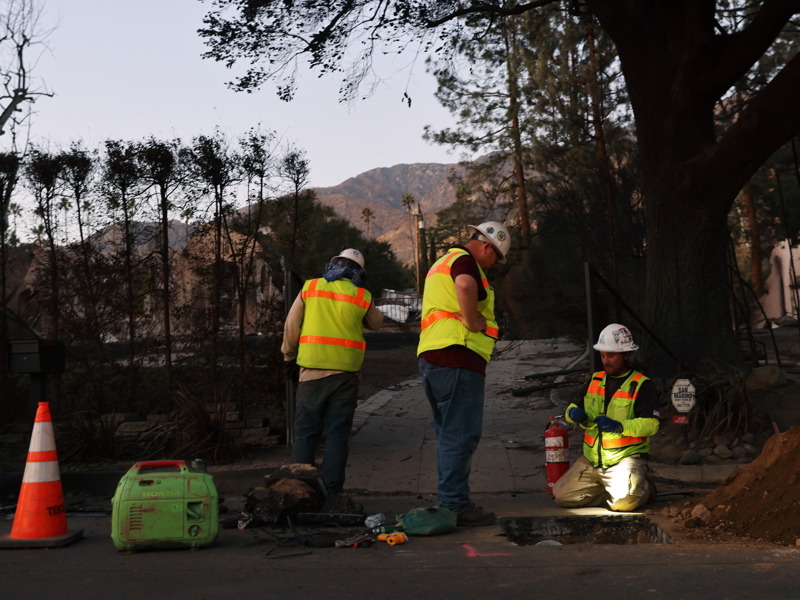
{"type": "Point", "coordinates": [427, 521]}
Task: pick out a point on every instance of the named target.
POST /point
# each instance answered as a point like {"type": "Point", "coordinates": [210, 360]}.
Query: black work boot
{"type": "Point", "coordinates": [475, 516]}
{"type": "Point", "coordinates": [653, 495]}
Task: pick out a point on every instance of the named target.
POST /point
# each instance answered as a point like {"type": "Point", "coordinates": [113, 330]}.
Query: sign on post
{"type": "Point", "coordinates": [683, 395]}
{"type": "Point", "coordinates": [680, 419]}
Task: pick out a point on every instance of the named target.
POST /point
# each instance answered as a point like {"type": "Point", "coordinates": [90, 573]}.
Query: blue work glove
{"type": "Point", "coordinates": [608, 425]}
{"type": "Point", "coordinates": [577, 414]}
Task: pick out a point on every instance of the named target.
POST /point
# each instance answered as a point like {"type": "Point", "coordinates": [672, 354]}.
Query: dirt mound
{"type": "Point", "coordinates": [761, 500]}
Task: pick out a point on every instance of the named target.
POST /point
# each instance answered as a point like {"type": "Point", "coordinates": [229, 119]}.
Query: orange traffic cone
{"type": "Point", "coordinates": [40, 520]}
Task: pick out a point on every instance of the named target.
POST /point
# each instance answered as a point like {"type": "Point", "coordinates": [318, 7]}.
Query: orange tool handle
{"type": "Point", "coordinates": [393, 539]}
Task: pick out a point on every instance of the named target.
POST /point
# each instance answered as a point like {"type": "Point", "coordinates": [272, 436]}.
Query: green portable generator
{"type": "Point", "coordinates": [165, 504]}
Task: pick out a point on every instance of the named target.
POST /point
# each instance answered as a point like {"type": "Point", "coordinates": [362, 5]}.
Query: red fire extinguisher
{"type": "Point", "coordinates": [556, 452]}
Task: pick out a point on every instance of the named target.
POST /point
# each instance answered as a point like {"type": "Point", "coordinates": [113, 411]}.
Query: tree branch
{"type": "Point", "coordinates": [769, 121]}
{"type": "Point", "coordinates": [318, 40]}
{"type": "Point", "coordinates": [490, 9]}
{"type": "Point", "coordinates": [739, 51]}
{"type": "Point", "coordinates": [19, 97]}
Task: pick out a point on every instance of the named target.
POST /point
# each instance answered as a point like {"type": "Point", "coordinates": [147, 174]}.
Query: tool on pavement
{"type": "Point", "coordinates": [359, 540]}
{"type": "Point", "coordinates": [393, 539]}
{"type": "Point", "coordinates": [388, 528]}
{"type": "Point", "coordinates": [343, 520]}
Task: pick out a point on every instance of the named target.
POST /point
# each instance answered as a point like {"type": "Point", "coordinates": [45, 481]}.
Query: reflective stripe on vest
{"type": "Point", "coordinates": [614, 442]}
{"type": "Point", "coordinates": [331, 336]}
{"type": "Point", "coordinates": [442, 324]}
{"type": "Point", "coordinates": [358, 299]}
{"type": "Point", "coordinates": [443, 314]}
{"type": "Point", "coordinates": [620, 407]}
{"type": "Point", "coordinates": [444, 267]}
{"type": "Point", "coordinates": [319, 339]}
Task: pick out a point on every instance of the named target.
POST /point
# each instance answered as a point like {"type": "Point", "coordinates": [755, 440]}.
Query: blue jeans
{"type": "Point", "coordinates": [328, 405]}
{"type": "Point", "coordinates": [456, 399]}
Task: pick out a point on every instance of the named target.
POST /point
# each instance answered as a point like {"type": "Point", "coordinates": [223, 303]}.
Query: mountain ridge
{"type": "Point", "coordinates": [382, 191]}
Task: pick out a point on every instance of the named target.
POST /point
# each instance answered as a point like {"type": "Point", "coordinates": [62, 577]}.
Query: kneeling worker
{"type": "Point", "coordinates": [324, 335]}
{"type": "Point", "coordinates": [619, 413]}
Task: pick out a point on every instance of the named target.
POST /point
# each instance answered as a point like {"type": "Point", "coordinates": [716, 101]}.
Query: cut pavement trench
{"type": "Point", "coordinates": [616, 529]}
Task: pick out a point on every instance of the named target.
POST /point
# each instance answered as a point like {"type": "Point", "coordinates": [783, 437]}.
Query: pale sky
{"type": "Point", "coordinates": [127, 69]}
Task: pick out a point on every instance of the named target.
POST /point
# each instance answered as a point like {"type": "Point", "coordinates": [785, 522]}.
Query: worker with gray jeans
{"type": "Point", "coordinates": [327, 405]}
{"type": "Point", "coordinates": [323, 348]}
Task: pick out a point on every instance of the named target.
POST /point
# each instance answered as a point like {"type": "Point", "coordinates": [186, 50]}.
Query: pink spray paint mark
{"type": "Point", "coordinates": [472, 553]}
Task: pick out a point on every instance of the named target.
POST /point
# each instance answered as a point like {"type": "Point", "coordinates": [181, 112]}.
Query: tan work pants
{"type": "Point", "coordinates": [623, 486]}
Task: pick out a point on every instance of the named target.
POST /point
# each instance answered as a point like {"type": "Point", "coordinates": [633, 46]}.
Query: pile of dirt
{"type": "Point", "coordinates": [760, 500]}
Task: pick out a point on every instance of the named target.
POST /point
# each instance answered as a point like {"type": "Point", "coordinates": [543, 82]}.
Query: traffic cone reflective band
{"type": "Point", "coordinates": [40, 518]}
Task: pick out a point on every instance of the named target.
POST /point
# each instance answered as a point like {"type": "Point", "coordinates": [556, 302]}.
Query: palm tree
{"type": "Point", "coordinates": [367, 215]}
{"type": "Point", "coordinates": [408, 204]}
{"type": "Point", "coordinates": [408, 201]}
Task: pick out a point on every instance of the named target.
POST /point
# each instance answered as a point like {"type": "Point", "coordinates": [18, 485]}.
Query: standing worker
{"type": "Point", "coordinates": [619, 413]}
{"type": "Point", "coordinates": [457, 335]}
{"type": "Point", "coordinates": [323, 338]}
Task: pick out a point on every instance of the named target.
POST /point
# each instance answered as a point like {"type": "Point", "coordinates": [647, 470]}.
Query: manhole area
{"type": "Point", "coordinates": [615, 529]}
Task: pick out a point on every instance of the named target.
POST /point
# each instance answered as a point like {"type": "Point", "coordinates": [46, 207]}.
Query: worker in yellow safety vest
{"type": "Point", "coordinates": [618, 413]}
{"type": "Point", "coordinates": [457, 334]}
{"type": "Point", "coordinates": [323, 348]}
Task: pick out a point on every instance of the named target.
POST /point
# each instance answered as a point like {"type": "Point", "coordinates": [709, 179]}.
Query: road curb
{"type": "Point", "coordinates": [715, 474]}
{"type": "Point", "coordinates": [99, 483]}
{"type": "Point", "coordinates": [238, 481]}
{"type": "Point", "coordinates": [104, 483]}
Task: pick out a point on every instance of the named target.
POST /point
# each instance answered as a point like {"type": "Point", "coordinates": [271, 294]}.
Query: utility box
{"type": "Point", "coordinates": [36, 356]}
{"type": "Point", "coordinates": [165, 504]}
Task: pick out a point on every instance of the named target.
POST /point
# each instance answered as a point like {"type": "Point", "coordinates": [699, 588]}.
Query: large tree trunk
{"type": "Point", "coordinates": [687, 300]}
{"type": "Point", "coordinates": [676, 68]}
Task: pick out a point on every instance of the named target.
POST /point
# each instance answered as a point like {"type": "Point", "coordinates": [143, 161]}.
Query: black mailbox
{"type": "Point", "coordinates": [36, 356]}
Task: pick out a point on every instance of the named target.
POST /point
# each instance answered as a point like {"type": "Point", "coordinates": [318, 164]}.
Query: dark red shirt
{"type": "Point", "coordinates": [458, 356]}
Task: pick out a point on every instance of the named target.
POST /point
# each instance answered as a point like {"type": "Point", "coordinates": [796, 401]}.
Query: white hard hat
{"type": "Point", "coordinates": [615, 338]}
{"type": "Point", "coordinates": [496, 234]}
{"type": "Point", "coordinates": [353, 255]}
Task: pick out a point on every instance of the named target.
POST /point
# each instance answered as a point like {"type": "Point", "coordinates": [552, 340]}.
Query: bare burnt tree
{"type": "Point", "coordinates": [295, 170]}
{"type": "Point", "coordinates": [164, 169]}
{"type": "Point", "coordinates": [43, 177]}
{"type": "Point", "coordinates": [244, 231]}
{"type": "Point", "coordinates": [79, 167]}
{"type": "Point", "coordinates": [22, 39]}
{"type": "Point", "coordinates": [216, 167]}
{"type": "Point", "coordinates": [122, 188]}
{"type": "Point", "coordinates": [9, 176]}
{"type": "Point", "coordinates": [87, 279]}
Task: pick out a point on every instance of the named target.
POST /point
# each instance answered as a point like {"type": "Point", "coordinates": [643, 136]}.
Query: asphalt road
{"type": "Point", "coordinates": [467, 564]}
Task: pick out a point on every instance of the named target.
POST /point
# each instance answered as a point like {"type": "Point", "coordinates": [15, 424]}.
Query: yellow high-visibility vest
{"type": "Point", "coordinates": [604, 449]}
{"type": "Point", "coordinates": [441, 324]}
{"type": "Point", "coordinates": [332, 334]}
